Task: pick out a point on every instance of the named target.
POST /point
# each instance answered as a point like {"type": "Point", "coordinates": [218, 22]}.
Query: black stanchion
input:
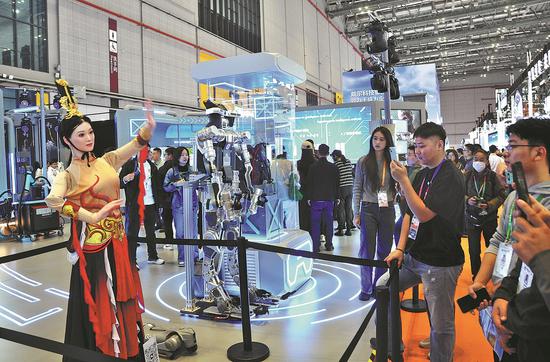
{"type": "Point", "coordinates": [351, 347]}
{"type": "Point", "coordinates": [395, 316]}
{"type": "Point", "coordinates": [414, 305]}
{"type": "Point", "coordinates": [382, 299]}
{"type": "Point", "coordinates": [246, 350]}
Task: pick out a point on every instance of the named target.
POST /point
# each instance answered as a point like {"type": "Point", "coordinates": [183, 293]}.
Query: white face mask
{"type": "Point", "coordinates": [479, 166]}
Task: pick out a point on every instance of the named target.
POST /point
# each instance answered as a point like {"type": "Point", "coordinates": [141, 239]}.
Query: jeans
{"type": "Point", "coordinates": [179, 223]}
{"type": "Point", "coordinates": [376, 236]}
{"type": "Point", "coordinates": [167, 219]}
{"type": "Point", "coordinates": [321, 212]}
{"type": "Point", "coordinates": [149, 221]}
{"type": "Point", "coordinates": [344, 211]}
{"type": "Point", "coordinates": [439, 285]}
{"type": "Point", "coordinates": [474, 242]}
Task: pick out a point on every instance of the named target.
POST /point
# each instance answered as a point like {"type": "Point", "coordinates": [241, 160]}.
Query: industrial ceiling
{"type": "Point", "coordinates": [463, 38]}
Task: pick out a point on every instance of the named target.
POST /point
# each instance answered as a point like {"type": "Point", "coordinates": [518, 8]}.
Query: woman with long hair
{"type": "Point", "coordinates": [373, 195]}
{"type": "Point", "coordinates": [173, 182]}
{"type": "Point", "coordinates": [105, 298]}
{"type": "Point", "coordinates": [452, 156]}
{"type": "Point", "coordinates": [304, 163]}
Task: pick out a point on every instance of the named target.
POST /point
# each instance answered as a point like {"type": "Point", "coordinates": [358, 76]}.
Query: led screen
{"type": "Point", "coordinates": [346, 129]}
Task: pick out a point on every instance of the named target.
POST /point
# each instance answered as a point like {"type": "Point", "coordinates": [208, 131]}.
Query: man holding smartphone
{"type": "Point", "coordinates": [431, 232]}
{"type": "Point", "coordinates": [528, 143]}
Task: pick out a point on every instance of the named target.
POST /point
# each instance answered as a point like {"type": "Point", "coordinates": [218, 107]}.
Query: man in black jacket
{"type": "Point", "coordinates": [324, 179]}
{"type": "Point", "coordinates": [129, 181]}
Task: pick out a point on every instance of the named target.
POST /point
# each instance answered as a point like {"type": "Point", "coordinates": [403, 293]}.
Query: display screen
{"type": "Point", "coordinates": [492, 138]}
{"type": "Point", "coordinates": [345, 129]}
{"type": "Point", "coordinates": [412, 116]}
{"type": "Point", "coordinates": [167, 134]}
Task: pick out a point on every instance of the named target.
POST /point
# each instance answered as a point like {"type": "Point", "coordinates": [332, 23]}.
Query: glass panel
{"type": "Point", "coordinates": [23, 10]}
{"type": "Point", "coordinates": [6, 41]}
{"type": "Point", "coordinates": [6, 8]}
{"type": "Point", "coordinates": [24, 46]}
{"type": "Point", "coordinates": [39, 13]}
{"type": "Point", "coordinates": [40, 50]}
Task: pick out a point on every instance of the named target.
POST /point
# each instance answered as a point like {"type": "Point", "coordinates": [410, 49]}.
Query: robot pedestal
{"type": "Point", "coordinates": [276, 273]}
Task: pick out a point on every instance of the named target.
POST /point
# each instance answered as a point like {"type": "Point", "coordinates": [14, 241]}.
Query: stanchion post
{"type": "Point", "coordinates": [246, 350]}
{"type": "Point", "coordinates": [382, 301]}
{"type": "Point", "coordinates": [395, 316]}
{"type": "Point", "coordinates": [414, 305]}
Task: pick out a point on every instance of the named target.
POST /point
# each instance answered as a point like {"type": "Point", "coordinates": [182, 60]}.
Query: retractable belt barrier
{"type": "Point", "coordinates": [246, 349]}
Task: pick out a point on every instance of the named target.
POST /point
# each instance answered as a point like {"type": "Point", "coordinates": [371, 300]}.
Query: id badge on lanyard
{"type": "Point", "coordinates": [504, 259]}
{"type": "Point", "coordinates": [413, 229]}
{"type": "Point", "coordinates": [383, 199]}
{"type": "Point", "coordinates": [525, 278]}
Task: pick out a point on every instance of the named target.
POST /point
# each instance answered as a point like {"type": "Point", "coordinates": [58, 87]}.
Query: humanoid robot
{"type": "Point", "coordinates": [229, 199]}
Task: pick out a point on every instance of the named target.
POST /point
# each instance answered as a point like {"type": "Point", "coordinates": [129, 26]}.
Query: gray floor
{"type": "Point", "coordinates": [316, 324]}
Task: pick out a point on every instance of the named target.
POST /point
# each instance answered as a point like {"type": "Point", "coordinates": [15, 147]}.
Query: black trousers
{"type": "Point", "coordinates": [344, 211]}
{"type": "Point", "coordinates": [149, 221]}
{"type": "Point", "coordinates": [167, 219]}
{"type": "Point", "coordinates": [474, 241]}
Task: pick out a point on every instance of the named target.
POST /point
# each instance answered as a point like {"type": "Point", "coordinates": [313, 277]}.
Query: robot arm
{"type": "Point", "coordinates": [242, 151]}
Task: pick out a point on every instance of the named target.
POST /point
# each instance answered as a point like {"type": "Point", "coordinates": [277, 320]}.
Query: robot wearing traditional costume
{"type": "Point", "coordinates": [105, 298]}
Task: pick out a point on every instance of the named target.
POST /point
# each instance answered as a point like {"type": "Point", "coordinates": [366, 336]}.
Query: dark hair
{"type": "Point", "coordinates": [35, 166]}
{"type": "Point", "coordinates": [459, 150]}
{"type": "Point", "coordinates": [481, 150]}
{"type": "Point", "coordinates": [411, 148]}
{"type": "Point", "coordinates": [454, 153]}
{"type": "Point", "coordinates": [170, 151]}
{"type": "Point", "coordinates": [430, 129]}
{"type": "Point", "coordinates": [157, 149]}
{"type": "Point", "coordinates": [535, 130]}
{"type": "Point", "coordinates": [469, 147]}
{"type": "Point", "coordinates": [66, 130]}
{"type": "Point", "coordinates": [312, 143]}
{"type": "Point", "coordinates": [370, 166]}
{"type": "Point", "coordinates": [493, 149]}
{"type": "Point", "coordinates": [177, 156]}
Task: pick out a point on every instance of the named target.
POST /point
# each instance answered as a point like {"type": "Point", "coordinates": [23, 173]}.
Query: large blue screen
{"type": "Point", "coordinates": [346, 129]}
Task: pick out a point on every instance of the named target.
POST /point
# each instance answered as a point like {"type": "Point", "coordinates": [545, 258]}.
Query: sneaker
{"type": "Point", "coordinates": [157, 261]}
{"type": "Point", "coordinates": [137, 266]}
{"type": "Point", "coordinates": [425, 343]}
{"type": "Point", "coordinates": [348, 232]}
{"type": "Point", "coordinates": [339, 233]}
{"type": "Point", "coordinates": [181, 264]}
{"type": "Point", "coordinates": [329, 247]}
{"type": "Point", "coordinates": [353, 227]}
{"type": "Point", "coordinates": [364, 297]}
{"type": "Point", "coordinates": [168, 246]}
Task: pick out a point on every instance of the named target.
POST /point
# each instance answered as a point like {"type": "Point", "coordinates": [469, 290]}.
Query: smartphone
{"type": "Point", "coordinates": [467, 303]}
{"type": "Point", "coordinates": [393, 154]}
{"type": "Point", "coordinates": [521, 184]}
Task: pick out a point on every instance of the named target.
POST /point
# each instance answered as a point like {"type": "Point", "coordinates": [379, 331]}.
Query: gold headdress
{"type": "Point", "coordinates": [67, 100]}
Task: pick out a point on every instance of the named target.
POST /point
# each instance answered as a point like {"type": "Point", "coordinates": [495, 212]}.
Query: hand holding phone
{"type": "Point", "coordinates": [467, 303]}
{"type": "Point", "coordinates": [522, 190]}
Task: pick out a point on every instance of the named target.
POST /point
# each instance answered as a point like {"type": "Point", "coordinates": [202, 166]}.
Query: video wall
{"type": "Point", "coordinates": [344, 128]}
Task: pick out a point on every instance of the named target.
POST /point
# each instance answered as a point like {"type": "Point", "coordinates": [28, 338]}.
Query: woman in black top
{"type": "Point", "coordinates": [484, 195]}
{"type": "Point", "coordinates": [303, 168]}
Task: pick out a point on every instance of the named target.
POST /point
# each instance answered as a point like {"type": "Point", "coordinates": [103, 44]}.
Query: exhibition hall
{"type": "Point", "coordinates": [293, 180]}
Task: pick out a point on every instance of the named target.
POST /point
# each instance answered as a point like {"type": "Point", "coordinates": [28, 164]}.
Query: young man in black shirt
{"type": "Point", "coordinates": [324, 181]}
{"type": "Point", "coordinates": [431, 234]}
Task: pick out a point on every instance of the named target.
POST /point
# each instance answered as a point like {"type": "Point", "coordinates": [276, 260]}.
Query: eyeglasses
{"type": "Point", "coordinates": [511, 147]}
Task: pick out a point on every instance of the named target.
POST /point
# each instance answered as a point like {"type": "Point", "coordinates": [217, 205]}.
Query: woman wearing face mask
{"type": "Point", "coordinates": [484, 195]}
{"type": "Point", "coordinates": [373, 195]}
{"type": "Point", "coordinates": [173, 182]}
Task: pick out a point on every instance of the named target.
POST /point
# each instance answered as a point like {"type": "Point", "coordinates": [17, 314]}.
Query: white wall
{"type": "Point", "coordinates": [155, 66]}
{"type": "Point", "coordinates": [461, 106]}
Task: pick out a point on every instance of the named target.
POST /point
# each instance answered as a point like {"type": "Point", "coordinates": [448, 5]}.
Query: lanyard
{"type": "Point", "coordinates": [383, 175]}
{"type": "Point", "coordinates": [480, 191]}
{"type": "Point", "coordinates": [511, 218]}
{"type": "Point", "coordinates": [429, 182]}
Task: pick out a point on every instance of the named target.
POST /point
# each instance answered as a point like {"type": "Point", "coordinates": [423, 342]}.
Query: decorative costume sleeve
{"type": "Point", "coordinates": [118, 157]}
{"type": "Point", "coordinates": [56, 200]}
